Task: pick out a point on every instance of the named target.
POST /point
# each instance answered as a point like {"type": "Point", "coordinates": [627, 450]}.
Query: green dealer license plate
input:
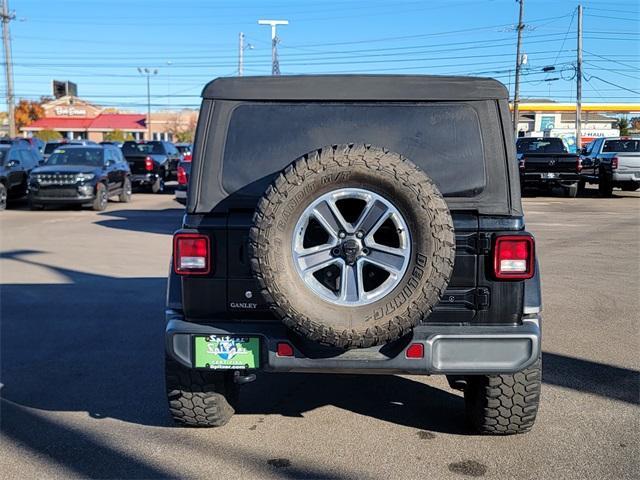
{"type": "Point", "coordinates": [226, 352]}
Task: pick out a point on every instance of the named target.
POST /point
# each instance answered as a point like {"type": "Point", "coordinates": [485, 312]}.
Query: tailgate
{"type": "Point", "coordinates": [137, 163]}
{"type": "Point", "coordinates": [472, 297]}
{"type": "Point", "coordinates": [628, 162]}
{"type": "Point", "coordinates": [545, 162]}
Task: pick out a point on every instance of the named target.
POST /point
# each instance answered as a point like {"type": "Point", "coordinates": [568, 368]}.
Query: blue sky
{"type": "Point", "coordinates": [99, 44]}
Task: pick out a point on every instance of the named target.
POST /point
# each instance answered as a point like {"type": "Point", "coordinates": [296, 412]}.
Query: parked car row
{"type": "Point", "coordinates": [545, 162]}
{"type": "Point", "coordinates": [83, 172]}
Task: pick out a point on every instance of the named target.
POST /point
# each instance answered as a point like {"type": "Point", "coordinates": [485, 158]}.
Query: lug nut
{"type": "Point", "coordinates": [342, 234]}
{"type": "Point", "coordinates": [365, 251]}
{"type": "Point", "coordinates": [335, 252]}
{"type": "Point", "coordinates": [360, 234]}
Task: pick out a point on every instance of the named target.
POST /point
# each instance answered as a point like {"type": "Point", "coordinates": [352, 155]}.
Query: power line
{"type": "Point", "coordinates": [610, 60]}
{"type": "Point", "coordinates": [614, 84]}
{"type": "Point", "coordinates": [566, 35]}
{"type": "Point", "coordinates": [617, 72]}
{"type": "Point", "coordinates": [613, 18]}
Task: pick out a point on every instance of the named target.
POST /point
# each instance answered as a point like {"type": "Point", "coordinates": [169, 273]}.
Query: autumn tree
{"type": "Point", "coordinates": [47, 135]}
{"type": "Point", "coordinates": [117, 136]}
{"type": "Point", "coordinates": [28, 111]}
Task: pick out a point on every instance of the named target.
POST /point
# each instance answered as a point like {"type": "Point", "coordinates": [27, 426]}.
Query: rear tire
{"type": "Point", "coordinates": [125, 195]}
{"type": "Point", "coordinates": [158, 185]}
{"type": "Point", "coordinates": [605, 185]}
{"type": "Point", "coordinates": [630, 186]}
{"type": "Point", "coordinates": [503, 404]}
{"type": "Point", "coordinates": [101, 199]}
{"type": "Point", "coordinates": [199, 398]}
{"type": "Point", "coordinates": [3, 197]}
{"type": "Point", "coordinates": [571, 191]}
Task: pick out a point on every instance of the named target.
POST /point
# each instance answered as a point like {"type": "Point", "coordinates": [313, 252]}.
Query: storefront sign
{"type": "Point", "coordinates": [69, 111]}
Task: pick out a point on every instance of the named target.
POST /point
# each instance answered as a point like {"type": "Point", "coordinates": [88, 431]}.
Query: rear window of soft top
{"type": "Point", "coordinates": [443, 139]}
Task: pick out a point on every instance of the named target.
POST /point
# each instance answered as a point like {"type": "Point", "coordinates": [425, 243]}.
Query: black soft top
{"type": "Point", "coordinates": [355, 88]}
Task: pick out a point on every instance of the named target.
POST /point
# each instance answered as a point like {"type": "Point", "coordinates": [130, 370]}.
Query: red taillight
{"type": "Point", "coordinates": [148, 164]}
{"type": "Point", "coordinates": [191, 254]}
{"type": "Point", "coordinates": [284, 350]}
{"type": "Point", "coordinates": [415, 350]}
{"type": "Point", "coordinates": [513, 257]}
{"type": "Point", "coordinates": [187, 157]}
{"type": "Point", "coordinates": [579, 164]}
{"type": "Point", "coordinates": [614, 163]}
{"type": "Point", "coordinates": [182, 176]}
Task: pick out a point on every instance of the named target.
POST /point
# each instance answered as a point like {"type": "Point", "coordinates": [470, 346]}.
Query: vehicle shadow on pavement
{"type": "Point", "coordinates": [615, 383]}
{"type": "Point", "coordinates": [94, 344]}
{"type": "Point", "coordinates": [389, 398]}
{"type": "Point", "coordinates": [75, 450]}
{"type": "Point", "coordinates": [88, 456]}
{"type": "Point", "coordinates": [164, 221]}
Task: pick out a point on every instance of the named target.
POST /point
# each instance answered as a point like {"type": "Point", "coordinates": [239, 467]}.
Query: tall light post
{"type": "Point", "coordinates": [275, 64]}
{"type": "Point", "coordinates": [241, 48]}
{"type": "Point", "coordinates": [148, 73]}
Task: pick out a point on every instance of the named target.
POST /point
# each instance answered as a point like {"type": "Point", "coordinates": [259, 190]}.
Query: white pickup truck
{"type": "Point", "coordinates": [612, 162]}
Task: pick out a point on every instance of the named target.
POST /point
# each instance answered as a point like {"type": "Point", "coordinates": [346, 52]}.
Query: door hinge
{"type": "Point", "coordinates": [483, 298]}
{"type": "Point", "coordinates": [483, 243]}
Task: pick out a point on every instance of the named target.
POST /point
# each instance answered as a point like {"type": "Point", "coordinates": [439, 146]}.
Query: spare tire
{"type": "Point", "coordinates": [352, 245]}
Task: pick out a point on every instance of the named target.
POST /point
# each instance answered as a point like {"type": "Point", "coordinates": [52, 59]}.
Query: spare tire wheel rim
{"type": "Point", "coordinates": [351, 247]}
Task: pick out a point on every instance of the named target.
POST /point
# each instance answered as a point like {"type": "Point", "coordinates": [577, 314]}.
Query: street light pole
{"type": "Point", "coordinates": [148, 73]}
{"type": "Point", "coordinates": [275, 64]}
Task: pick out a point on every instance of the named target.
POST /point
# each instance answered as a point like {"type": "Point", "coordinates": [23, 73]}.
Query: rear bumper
{"type": "Point", "coordinates": [626, 176]}
{"type": "Point", "coordinates": [447, 349]}
{"type": "Point", "coordinates": [543, 178]}
{"type": "Point", "coordinates": [144, 178]}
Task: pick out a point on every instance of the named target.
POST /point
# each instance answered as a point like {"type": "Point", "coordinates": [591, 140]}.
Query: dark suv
{"type": "Point", "coordinates": [355, 224]}
{"type": "Point", "coordinates": [17, 159]}
{"type": "Point", "coordinates": [78, 174]}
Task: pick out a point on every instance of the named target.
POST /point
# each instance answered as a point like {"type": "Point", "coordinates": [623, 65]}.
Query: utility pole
{"type": "Point", "coordinates": [241, 48]}
{"type": "Point", "coordinates": [516, 95]}
{"type": "Point", "coordinates": [148, 73]}
{"type": "Point", "coordinates": [275, 64]}
{"type": "Point", "coordinates": [8, 65]}
{"type": "Point", "coordinates": [579, 84]}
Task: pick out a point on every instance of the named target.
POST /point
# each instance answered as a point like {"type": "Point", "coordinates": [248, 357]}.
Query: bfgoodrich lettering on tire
{"type": "Point", "coordinates": [352, 245]}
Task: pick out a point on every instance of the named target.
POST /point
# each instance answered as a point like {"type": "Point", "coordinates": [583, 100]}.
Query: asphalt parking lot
{"type": "Point", "coordinates": [82, 365]}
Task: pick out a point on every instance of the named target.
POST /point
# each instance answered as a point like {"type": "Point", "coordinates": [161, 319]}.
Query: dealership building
{"type": "Point", "coordinates": [75, 118]}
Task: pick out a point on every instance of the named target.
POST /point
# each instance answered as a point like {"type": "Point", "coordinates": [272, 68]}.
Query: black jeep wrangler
{"type": "Point", "coordinates": [361, 224]}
